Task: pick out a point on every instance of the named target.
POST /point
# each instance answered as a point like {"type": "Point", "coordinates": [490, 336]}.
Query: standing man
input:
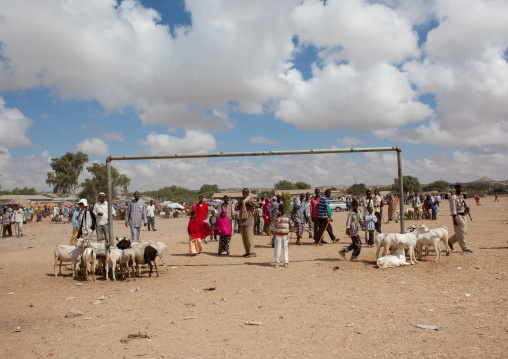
{"type": "Point", "coordinates": [299, 217]}
{"type": "Point", "coordinates": [100, 209]}
{"type": "Point", "coordinates": [18, 219]}
{"type": "Point", "coordinates": [134, 215]}
{"type": "Point", "coordinates": [202, 209]}
{"type": "Point", "coordinates": [416, 206]}
{"type": "Point", "coordinates": [378, 209]}
{"type": "Point", "coordinates": [368, 202]}
{"type": "Point", "coordinates": [84, 220]}
{"type": "Point", "coordinates": [325, 218]}
{"type": "Point", "coordinates": [314, 211]}
{"type": "Point", "coordinates": [6, 222]}
{"type": "Point", "coordinates": [150, 214]}
{"type": "Point", "coordinates": [459, 210]}
{"type": "Point", "coordinates": [246, 208]}
{"type": "Point", "coordinates": [308, 219]}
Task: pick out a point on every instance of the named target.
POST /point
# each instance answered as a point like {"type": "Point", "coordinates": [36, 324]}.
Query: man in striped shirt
{"type": "Point", "coordinates": [325, 218]}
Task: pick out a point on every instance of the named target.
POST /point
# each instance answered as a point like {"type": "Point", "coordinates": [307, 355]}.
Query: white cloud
{"type": "Point", "coordinates": [13, 127]}
{"type": "Point", "coordinates": [193, 141]}
{"type": "Point", "coordinates": [30, 171]}
{"type": "Point", "coordinates": [112, 136]}
{"type": "Point", "coordinates": [350, 141]}
{"type": "Point", "coordinates": [340, 96]}
{"type": "Point", "coordinates": [262, 139]}
{"type": "Point", "coordinates": [356, 30]}
{"type": "Point", "coordinates": [93, 146]}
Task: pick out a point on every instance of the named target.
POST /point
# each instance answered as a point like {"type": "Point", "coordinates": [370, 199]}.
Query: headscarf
{"type": "Point", "coordinates": [222, 225]}
{"type": "Point", "coordinates": [266, 214]}
{"type": "Point", "coordinates": [198, 228]}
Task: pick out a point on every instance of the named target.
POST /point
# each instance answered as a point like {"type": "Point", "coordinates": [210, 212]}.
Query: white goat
{"type": "Point", "coordinates": [139, 251]}
{"type": "Point", "coordinates": [387, 241]}
{"type": "Point", "coordinates": [408, 240]}
{"type": "Point", "coordinates": [428, 239]}
{"type": "Point", "coordinates": [398, 258]}
{"type": "Point", "coordinates": [442, 233]}
{"type": "Point", "coordinates": [66, 253]}
{"type": "Point", "coordinates": [113, 258]}
{"type": "Point", "coordinates": [100, 255]}
{"type": "Point", "coordinates": [128, 260]}
{"type": "Point", "coordinates": [89, 263]}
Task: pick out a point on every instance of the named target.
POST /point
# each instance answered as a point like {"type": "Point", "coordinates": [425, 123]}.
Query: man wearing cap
{"type": "Point", "coordinates": [246, 206]}
{"type": "Point", "coordinates": [101, 215]}
{"type": "Point", "coordinates": [134, 215]}
{"type": "Point", "coordinates": [150, 214]}
{"type": "Point", "coordinates": [459, 211]}
{"type": "Point", "coordinates": [84, 220]}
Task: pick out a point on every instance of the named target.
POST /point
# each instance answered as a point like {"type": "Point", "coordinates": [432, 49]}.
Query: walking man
{"type": "Point", "coordinates": [6, 222]}
{"type": "Point", "coordinates": [416, 206]}
{"type": "Point", "coordinates": [18, 219]}
{"type": "Point", "coordinates": [150, 214]}
{"type": "Point", "coordinates": [459, 210]}
{"type": "Point", "coordinates": [299, 217]}
{"type": "Point", "coordinates": [101, 216]}
{"type": "Point", "coordinates": [378, 209]}
{"type": "Point", "coordinates": [135, 216]}
{"type": "Point", "coordinates": [246, 208]}
{"type": "Point", "coordinates": [325, 218]}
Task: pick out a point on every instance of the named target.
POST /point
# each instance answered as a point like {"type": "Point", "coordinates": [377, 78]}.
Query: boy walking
{"type": "Point", "coordinates": [370, 224]}
{"type": "Point", "coordinates": [281, 225]}
{"type": "Point", "coordinates": [353, 219]}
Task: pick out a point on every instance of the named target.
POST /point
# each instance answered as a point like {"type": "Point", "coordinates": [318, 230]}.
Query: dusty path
{"type": "Point", "coordinates": [307, 310]}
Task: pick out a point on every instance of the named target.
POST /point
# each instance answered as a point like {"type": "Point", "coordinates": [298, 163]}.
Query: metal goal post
{"type": "Point", "coordinates": [251, 154]}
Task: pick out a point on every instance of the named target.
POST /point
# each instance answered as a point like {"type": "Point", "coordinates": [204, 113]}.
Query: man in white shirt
{"type": "Point", "coordinates": [100, 210]}
{"type": "Point", "coordinates": [150, 214]}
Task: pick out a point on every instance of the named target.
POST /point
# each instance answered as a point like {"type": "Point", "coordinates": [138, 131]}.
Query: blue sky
{"type": "Point", "coordinates": [162, 77]}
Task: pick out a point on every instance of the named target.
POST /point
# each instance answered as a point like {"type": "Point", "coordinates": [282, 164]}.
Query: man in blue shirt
{"type": "Point", "coordinates": [325, 218]}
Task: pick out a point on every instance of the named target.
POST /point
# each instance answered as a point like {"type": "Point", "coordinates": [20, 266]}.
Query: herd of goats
{"type": "Point", "coordinates": [88, 258]}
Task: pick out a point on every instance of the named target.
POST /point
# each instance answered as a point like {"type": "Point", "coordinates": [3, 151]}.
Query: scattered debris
{"type": "Point", "coordinates": [96, 301]}
{"type": "Point", "coordinates": [173, 267]}
{"type": "Point", "coordinates": [17, 330]}
{"type": "Point", "coordinates": [71, 298]}
{"type": "Point", "coordinates": [87, 318]}
{"type": "Point", "coordinates": [459, 268]}
{"type": "Point", "coordinates": [187, 318]}
{"type": "Point", "coordinates": [73, 313]}
{"type": "Point", "coordinates": [478, 267]}
{"type": "Point", "coordinates": [350, 325]}
{"type": "Point", "coordinates": [79, 284]}
{"type": "Point", "coordinates": [209, 289]}
{"type": "Point", "coordinates": [134, 336]}
{"type": "Point", "coordinates": [427, 326]}
{"type": "Point", "coordinates": [224, 299]}
{"type": "Point", "coordinates": [134, 290]}
{"type": "Point", "coordinates": [336, 268]}
{"type": "Point", "coordinates": [11, 293]}
{"type": "Point", "coordinates": [253, 322]}
{"type": "Point", "coordinates": [467, 295]}
{"type": "Point", "coordinates": [189, 305]}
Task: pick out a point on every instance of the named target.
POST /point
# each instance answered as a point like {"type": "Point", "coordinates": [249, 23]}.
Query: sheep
{"type": "Point", "coordinates": [100, 254]}
{"type": "Point", "coordinates": [428, 239]}
{"type": "Point", "coordinates": [442, 233]}
{"type": "Point", "coordinates": [128, 260]}
{"type": "Point", "coordinates": [398, 258]}
{"type": "Point", "coordinates": [149, 257]}
{"type": "Point", "coordinates": [89, 262]}
{"type": "Point", "coordinates": [66, 253]}
{"type": "Point", "coordinates": [387, 241]}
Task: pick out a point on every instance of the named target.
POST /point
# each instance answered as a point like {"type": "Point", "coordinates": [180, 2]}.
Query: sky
{"type": "Point", "coordinates": [146, 77]}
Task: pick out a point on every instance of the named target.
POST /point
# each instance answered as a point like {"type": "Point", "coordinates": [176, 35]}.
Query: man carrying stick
{"type": "Point", "coordinates": [324, 219]}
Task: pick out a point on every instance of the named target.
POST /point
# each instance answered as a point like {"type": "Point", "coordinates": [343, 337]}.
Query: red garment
{"type": "Point", "coordinates": [266, 214]}
{"type": "Point", "coordinates": [198, 228]}
{"type": "Point", "coordinates": [314, 207]}
{"type": "Point", "coordinates": [202, 211]}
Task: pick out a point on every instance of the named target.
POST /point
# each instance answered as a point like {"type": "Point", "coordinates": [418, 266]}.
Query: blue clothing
{"type": "Point", "coordinates": [324, 208]}
{"type": "Point", "coordinates": [75, 219]}
{"type": "Point", "coordinates": [434, 208]}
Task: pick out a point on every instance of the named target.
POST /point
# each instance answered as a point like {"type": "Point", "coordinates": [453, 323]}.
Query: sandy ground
{"type": "Point", "coordinates": [307, 310]}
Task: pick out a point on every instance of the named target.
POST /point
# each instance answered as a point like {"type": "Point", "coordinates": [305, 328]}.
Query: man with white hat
{"type": "Point", "coordinates": [84, 220]}
{"type": "Point", "coordinates": [136, 216]}
{"type": "Point", "coordinates": [459, 210]}
{"type": "Point", "coordinates": [101, 215]}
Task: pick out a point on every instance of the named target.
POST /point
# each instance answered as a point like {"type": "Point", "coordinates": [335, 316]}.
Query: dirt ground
{"type": "Point", "coordinates": [306, 310]}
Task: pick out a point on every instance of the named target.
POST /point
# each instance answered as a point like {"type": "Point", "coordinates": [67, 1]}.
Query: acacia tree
{"type": "Point", "coordinates": [208, 190]}
{"type": "Point", "coordinates": [357, 189]}
{"type": "Point", "coordinates": [410, 184]}
{"type": "Point", "coordinates": [440, 186]}
{"type": "Point", "coordinates": [66, 171]}
{"type": "Point", "coordinates": [98, 183]}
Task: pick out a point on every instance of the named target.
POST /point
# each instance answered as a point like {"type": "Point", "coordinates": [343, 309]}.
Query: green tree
{"type": "Point", "coordinates": [439, 186]}
{"type": "Point", "coordinates": [24, 191]}
{"type": "Point", "coordinates": [207, 190]}
{"type": "Point", "coordinates": [302, 185]}
{"type": "Point", "coordinates": [410, 184]}
{"type": "Point", "coordinates": [499, 188]}
{"type": "Point", "coordinates": [284, 184]}
{"type": "Point", "coordinates": [173, 193]}
{"type": "Point", "coordinates": [66, 171]}
{"type": "Point", "coordinates": [93, 186]}
{"type": "Point", "coordinates": [358, 189]}
{"type": "Point", "coordinates": [267, 194]}
{"type": "Point", "coordinates": [288, 203]}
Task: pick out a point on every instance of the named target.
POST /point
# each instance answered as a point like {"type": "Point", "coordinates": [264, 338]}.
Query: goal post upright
{"type": "Point", "coordinates": [250, 154]}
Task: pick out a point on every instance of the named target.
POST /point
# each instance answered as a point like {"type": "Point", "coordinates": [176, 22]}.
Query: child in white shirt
{"type": "Point", "coordinates": [370, 224]}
